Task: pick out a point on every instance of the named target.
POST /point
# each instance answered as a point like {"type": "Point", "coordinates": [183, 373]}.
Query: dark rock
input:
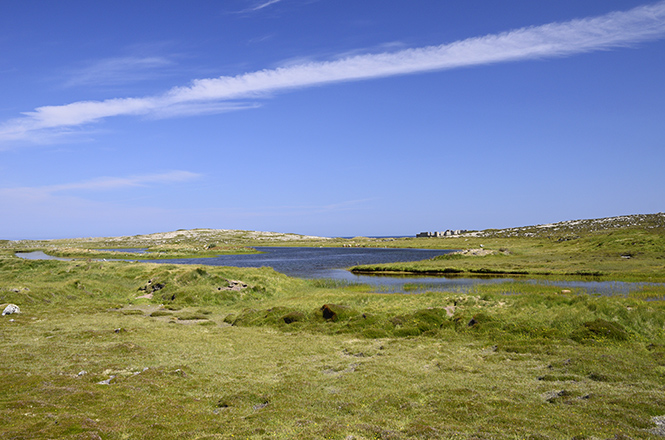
{"type": "Point", "coordinates": [328, 313]}
{"type": "Point", "coordinates": [293, 317]}
{"type": "Point", "coordinates": [150, 287]}
{"type": "Point", "coordinates": [331, 312]}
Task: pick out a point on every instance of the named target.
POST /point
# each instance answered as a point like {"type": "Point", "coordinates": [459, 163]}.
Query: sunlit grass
{"type": "Point", "coordinates": [200, 360]}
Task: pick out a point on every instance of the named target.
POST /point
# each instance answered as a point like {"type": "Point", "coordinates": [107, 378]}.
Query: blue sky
{"type": "Point", "coordinates": [327, 117]}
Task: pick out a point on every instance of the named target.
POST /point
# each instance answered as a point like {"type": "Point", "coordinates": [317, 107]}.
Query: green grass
{"type": "Point", "coordinates": [124, 350]}
{"type": "Point", "coordinates": [197, 361]}
{"type": "Point", "coordinates": [629, 254]}
{"type": "Point", "coordinates": [151, 253]}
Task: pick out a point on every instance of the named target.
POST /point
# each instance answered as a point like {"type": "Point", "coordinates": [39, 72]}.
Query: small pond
{"type": "Point", "coordinates": [331, 263]}
{"type": "Point", "coordinates": [308, 262]}
{"type": "Point", "coordinates": [38, 255]}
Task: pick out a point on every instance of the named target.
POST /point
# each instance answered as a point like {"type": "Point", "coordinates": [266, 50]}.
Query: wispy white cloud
{"type": "Point", "coordinates": [42, 211]}
{"type": "Point", "coordinates": [264, 5]}
{"type": "Point", "coordinates": [118, 70]}
{"type": "Point", "coordinates": [200, 108]}
{"type": "Point", "coordinates": [616, 29]}
{"type": "Point", "coordinates": [101, 184]}
{"type": "Point", "coordinates": [257, 6]}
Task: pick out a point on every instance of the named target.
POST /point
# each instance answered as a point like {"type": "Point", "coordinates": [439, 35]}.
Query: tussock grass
{"type": "Point", "coordinates": [629, 254]}
{"type": "Point", "coordinates": [87, 358]}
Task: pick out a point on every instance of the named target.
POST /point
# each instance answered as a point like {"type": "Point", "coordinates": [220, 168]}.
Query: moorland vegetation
{"type": "Point", "coordinates": [124, 349]}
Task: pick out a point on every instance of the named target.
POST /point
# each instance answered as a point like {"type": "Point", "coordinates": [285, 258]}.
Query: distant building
{"type": "Point", "coordinates": [437, 234]}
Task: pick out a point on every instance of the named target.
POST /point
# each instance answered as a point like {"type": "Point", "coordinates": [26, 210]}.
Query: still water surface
{"type": "Point", "coordinates": [331, 263]}
{"type": "Point", "coordinates": [307, 262]}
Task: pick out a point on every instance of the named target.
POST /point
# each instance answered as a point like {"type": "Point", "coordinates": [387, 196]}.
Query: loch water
{"type": "Point", "coordinates": [332, 264]}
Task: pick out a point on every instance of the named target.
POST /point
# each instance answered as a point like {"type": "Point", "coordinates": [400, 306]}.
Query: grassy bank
{"type": "Point", "coordinates": [151, 253]}
{"type": "Point", "coordinates": [629, 254]}
{"type": "Point", "coordinates": [627, 248]}
{"type": "Point", "coordinates": [130, 350]}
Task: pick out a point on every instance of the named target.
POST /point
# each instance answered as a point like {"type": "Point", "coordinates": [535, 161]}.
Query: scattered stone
{"type": "Point", "coordinates": [565, 291]}
{"type": "Point", "coordinates": [234, 286]}
{"type": "Point", "coordinates": [660, 426]}
{"type": "Point", "coordinates": [152, 287]}
{"type": "Point", "coordinates": [475, 252]}
{"type": "Point", "coordinates": [139, 372]}
{"type": "Point", "coordinates": [472, 322]}
{"type": "Point", "coordinates": [107, 381]}
{"type": "Point", "coordinates": [491, 349]}
{"type": "Point", "coordinates": [11, 309]}
{"type": "Point", "coordinates": [260, 406]}
{"type": "Point", "coordinates": [336, 372]}
{"type": "Point", "coordinates": [554, 395]}
{"type": "Point", "coordinates": [82, 373]}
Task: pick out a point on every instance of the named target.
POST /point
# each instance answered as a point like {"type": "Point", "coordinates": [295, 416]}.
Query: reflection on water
{"type": "Point", "coordinates": [331, 263]}
{"type": "Point", "coordinates": [307, 262]}
{"type": "Point", "coordinates": [462, 284]}
{"type": "Point", "coordinates": [38, 255]}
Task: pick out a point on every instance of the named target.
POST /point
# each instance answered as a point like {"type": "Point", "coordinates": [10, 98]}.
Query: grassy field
{"type": "Point", "coordinates": [630, 251]}
{"type": "Point", "coordinates": [628, 248]}
{"type": "Point", "coordinates": [129, 350]}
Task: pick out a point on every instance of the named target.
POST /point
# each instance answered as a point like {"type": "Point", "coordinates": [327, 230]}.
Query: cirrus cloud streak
{"type": "Point", "coordinates": [612, 30]}
{"type": "Point", "coordinates": [102, 184]}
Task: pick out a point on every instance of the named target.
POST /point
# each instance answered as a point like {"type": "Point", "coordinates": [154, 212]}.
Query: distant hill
{"type": "Point", "coordinates": [209, 238]}
{"type": "Point", "coordinates": [578, 227]}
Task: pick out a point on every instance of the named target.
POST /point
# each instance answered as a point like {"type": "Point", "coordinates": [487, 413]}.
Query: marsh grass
{"type": "Point", "coordinates": [629, 254]}
{"type": "Point", "coordinates": [151, 253]}
{"type": "Point", "coordinates": [266, 362]}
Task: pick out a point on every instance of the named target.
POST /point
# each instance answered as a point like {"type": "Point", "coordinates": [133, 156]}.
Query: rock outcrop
{"type": "Point", "coordinates": [11, 309]}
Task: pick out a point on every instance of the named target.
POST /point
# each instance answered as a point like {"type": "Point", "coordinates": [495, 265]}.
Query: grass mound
{"type": "Point", "coordinates": [126, 350]}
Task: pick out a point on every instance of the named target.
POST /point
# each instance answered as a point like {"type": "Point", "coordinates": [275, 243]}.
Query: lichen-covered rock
{"type": "Point", "coordinates": [11, 309]}
{"type": "Point", "coordinates": [234, 286]}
